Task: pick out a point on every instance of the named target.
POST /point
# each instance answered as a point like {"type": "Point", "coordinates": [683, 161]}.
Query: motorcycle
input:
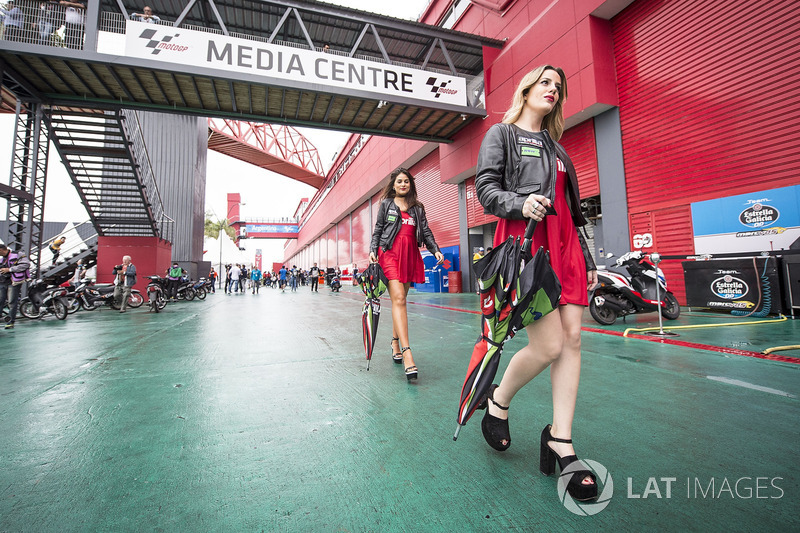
{"type": "Point", "coordinates": [92, 296]}
{"type": "Point", "coordinates": [617, 295]}
{"type": "Point", "coordinates": [186, 290]}
{"type": "Point", "coordinates": [336, 283]}
{"type": "Point", "coordinates": [156, 294]}
{"type": "Point", "coordinates": [202, 288]}
{"type": "Point", "coordinates": [42, 301]}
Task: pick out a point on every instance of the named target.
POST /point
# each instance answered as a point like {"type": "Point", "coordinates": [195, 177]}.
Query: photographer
{"type": "Point", "coordinates": [124, 279]}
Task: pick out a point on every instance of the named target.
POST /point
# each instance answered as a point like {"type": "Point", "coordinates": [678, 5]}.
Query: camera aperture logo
{"type": "Point", "coordinates": [165, 43]}
{"type": "Point", "coordinates": [603, 480]}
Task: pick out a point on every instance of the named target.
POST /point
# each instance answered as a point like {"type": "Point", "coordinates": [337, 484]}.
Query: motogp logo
{"type": "Point", "coordinates": [729, 287]}
{"type": "Point", "coordinates": [441, 88]}
{"type": "Point", "coordinates": [163, 44]}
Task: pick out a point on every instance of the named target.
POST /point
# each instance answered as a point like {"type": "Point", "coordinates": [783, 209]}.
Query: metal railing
{"type": "Point", "coordinates": [133, 133]}
{"type": "Point", "coordinates": [43, 23]}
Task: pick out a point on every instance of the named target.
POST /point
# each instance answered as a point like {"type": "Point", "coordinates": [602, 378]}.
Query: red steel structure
{"type": "Point", "coordinates": [281, 149]}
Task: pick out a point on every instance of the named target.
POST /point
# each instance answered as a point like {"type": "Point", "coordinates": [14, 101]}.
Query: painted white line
{"type": "Point", "coordinates": [747, 385]}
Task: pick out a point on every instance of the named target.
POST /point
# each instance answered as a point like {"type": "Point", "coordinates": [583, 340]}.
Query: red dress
{"type": "Point", "coordinates": [403, 261]}
{"type": "Point", "coordinates": [557, 233]}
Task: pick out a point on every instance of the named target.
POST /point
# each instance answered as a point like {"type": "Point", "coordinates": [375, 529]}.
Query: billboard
{"type": "Point", "coordinates": [753, 222]}
{"type": "Point", "coordinates": [332, 72]}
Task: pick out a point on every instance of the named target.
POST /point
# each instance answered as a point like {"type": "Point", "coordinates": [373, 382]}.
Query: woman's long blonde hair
{"type": "Point", "coordinates": [553, 122]}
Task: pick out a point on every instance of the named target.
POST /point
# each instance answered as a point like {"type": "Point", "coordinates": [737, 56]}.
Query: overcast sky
{"type": "Point", "coordinates": [264, 193]}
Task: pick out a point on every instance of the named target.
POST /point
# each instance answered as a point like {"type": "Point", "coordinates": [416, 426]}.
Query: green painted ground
{"type": "Point", "coordinates": [256, 413]}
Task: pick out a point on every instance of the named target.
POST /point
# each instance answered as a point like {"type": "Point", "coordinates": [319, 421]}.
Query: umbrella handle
{"type": "Point", "coordinates": [528, 239]}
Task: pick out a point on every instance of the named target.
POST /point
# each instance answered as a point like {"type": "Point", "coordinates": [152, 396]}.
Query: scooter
{"type": "Point", "coordinates": [42, 301]}
{"type": "Point", "coordinates": [617, 295]}
{"type": "Point", "coordinates": [156, 295]}
{"type": "Point", "coordinates": [186, 290]}
{"type": "Point", "coordinates": [336, 283]}
{"type": "Point", "coordinates": [94, 296]}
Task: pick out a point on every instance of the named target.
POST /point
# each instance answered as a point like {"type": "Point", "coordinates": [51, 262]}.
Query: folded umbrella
{"type": "Point", "coordinates": [516, 289]}
{"type": "Point", "coordinates": [374, 283]}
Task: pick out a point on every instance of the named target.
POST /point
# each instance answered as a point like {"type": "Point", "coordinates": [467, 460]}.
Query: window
{"type": "Point", "coordinates": [454, 13]}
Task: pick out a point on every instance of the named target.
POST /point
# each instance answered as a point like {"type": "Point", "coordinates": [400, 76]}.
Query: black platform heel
{"type": "Point", "coordinates": [397, 357]}
{"type": "Point", "coordinates": [495, 430]}
{"type": "Point", "coordinates": [411, 371]}
{"type": "Point", "coordinates": [547, 464]}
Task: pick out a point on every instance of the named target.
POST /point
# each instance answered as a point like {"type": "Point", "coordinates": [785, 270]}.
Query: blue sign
{"type": "Point", "coordinates": [271, 228]}
{"type": "Point", "coordinates": [758, 221]}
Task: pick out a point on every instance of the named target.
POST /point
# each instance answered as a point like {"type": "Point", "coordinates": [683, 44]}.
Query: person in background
{"type": "Point", "coordinates": [14, 270]}
{"type": "Point", "coordinates": [401, 227]}
{"type": "Point", "coordinates": [519, 155]}
{"type": "Point", "coordinates": [243, 277]}
{"type": "Point", "coordinates": [293, 278]}
{"type": "Point", "coordinates": [146, 16]}
{"type": "Point", "coordinates": [77, 275]}
{"type": "Point", "coordinates": [73, 24]}
{"type": "Point", "coordinates": [55, 247]}
{"type": "Point", "coordinates": [213, 277]}
{"type": "Point", "coordinates": [125, 275]}
{"type": "Point", "coordinates": [236, 272]}
{"type": "Point", "coordinates": [255, 277]}
{"type": "Point", "coordinates": [46, 23]}
{"type": "Point", "coordinates": [174, 274]}
{"type": "Point", "coordinates": [479, 254]}
{"type": "Point", "coordinates": [282, 276]}
{"type": "Point", "coordinates": [14, 22]}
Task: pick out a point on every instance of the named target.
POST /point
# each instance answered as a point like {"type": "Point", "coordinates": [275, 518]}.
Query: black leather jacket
{"type": "Point", "coordinates": [388, 223]}
{"type": "Point", "coordinates": [503, 183]}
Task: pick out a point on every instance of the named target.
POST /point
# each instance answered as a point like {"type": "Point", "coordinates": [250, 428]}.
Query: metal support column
{"type": "Point", "coordinates": [28, 174]}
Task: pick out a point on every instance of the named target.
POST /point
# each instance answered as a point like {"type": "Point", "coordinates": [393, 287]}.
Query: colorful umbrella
{"type": "Point", "coordinates": [374, 283]}
{"type": "Point", "coordinates": [515, 291]}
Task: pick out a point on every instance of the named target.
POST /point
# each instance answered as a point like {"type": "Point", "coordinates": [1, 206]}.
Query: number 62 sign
{"type": "Point", "coordinates": [643, 240]}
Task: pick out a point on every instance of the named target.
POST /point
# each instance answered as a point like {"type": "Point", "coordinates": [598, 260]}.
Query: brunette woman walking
{"type": "Point", "coordinates": [400, 229]}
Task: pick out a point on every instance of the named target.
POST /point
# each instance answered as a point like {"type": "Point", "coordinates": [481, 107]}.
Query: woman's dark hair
{"type": "Point", "coordinates": [411, 196]}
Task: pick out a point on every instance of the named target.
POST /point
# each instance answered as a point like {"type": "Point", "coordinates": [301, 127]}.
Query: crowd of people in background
{"type": "Point", "coordinates": [239, 279]}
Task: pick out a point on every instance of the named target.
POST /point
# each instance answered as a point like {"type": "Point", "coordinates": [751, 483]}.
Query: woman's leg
{"type": "Point", "coordinates": [544, 346]}
{"type": "Point", "coordinates": [565, 375]}
{"type": "Point", "coordinates": [398, 292]}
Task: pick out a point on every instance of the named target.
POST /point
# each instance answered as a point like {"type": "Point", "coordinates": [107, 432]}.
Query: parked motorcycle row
{"type": "Point", "coordinates": [60, 301]}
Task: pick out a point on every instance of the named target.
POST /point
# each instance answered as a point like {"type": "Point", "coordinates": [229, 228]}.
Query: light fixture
{"type": "Point", "coordinates": [381, 103]}
{"type": "Point", "coordinates": [463, 117]}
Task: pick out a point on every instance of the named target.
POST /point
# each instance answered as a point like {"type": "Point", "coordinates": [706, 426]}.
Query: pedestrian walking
{"type": "Point", "coordinates": [401, 228]}
{"type": "Point", "coordinates": [523, 173]}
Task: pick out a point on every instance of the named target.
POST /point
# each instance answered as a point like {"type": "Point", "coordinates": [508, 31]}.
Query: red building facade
{"type": "Point", "coordinates": [670, 102]}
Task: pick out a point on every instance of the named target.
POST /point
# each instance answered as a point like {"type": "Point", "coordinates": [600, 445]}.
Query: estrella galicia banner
{"type": "Point", "coordinates": [747, 285]}
{"type": "Point", "coordinates": [273, 61]}
{"type": "Point", "coordinates": [755, 222]}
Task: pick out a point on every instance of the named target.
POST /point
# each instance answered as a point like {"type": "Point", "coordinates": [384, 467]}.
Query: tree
{"type": "Point", "coordinates": [213, 227]}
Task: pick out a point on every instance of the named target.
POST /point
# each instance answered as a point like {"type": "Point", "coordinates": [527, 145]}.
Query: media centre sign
{"type": "Point", "coordinates": [207, 50]}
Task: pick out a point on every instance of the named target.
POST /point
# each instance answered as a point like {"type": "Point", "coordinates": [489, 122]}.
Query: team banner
{"type": "Point", "coordinates": [754, 222]}
{"type": "Point", "coordinates": [272, 61]}
{"type": "Point", "coordinates": [745, 285]}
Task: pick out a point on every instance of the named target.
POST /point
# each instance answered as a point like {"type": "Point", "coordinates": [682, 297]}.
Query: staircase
{"type": "Point", "coordinates": [106, 158]}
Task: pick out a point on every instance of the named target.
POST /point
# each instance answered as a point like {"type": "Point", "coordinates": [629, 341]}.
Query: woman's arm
{"type": "Point", "coordinates": [376, 233]}
{"type": "Point", "coordinates": [427, 234]}
{"type": "Point", "coordinates": [489, 177]}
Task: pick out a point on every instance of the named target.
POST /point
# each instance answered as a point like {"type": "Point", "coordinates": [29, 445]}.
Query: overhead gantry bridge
{"type": "Point", "coordinates": [300, 63]}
